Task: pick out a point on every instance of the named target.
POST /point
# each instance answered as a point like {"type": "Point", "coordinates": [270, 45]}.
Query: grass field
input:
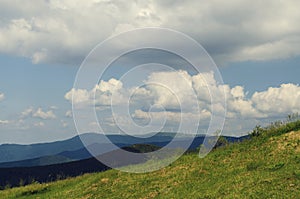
{"type": "Point", "coordinates": [265, 166]}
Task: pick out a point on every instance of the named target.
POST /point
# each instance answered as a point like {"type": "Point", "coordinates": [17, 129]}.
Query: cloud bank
{"type": "Point", "coordinates": [65, 31]}
{"type": "Point", "coordinates": [156, 102]}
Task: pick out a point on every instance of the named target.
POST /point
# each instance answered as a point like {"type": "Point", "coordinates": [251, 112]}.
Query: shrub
{"type": "Point", "coordinates": [278, 128]}
{"type": "Point", "coordinates": [222, 141]}
{"type": "Point", "coordinates": [257, 131]}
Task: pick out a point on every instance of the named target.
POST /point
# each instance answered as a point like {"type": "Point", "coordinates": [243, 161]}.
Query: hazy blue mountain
{"type": "Point", "coordinates": [13, 155]}
{"type": "Point", "coordinates": [42, 161]}
{"type": "Point", "coordinates": [69, 156]}
{"type": "Point", "coordinates": [17, 152]}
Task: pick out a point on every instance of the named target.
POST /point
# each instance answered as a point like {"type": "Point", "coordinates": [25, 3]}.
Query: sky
{"type": "Point", "coordinates": [255, 46]}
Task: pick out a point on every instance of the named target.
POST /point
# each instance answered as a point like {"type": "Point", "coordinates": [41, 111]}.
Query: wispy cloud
{"type": "Point", "coordinates": [1, 96]}
{"type": "Point", "coordinates": [39, 124]}
{"type": "Point", "coordinates": [3, 122]}
{"type": "Point", "coordinates": [69, 114]}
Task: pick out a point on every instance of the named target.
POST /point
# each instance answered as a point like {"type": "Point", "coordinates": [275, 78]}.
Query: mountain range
{"type": "Point", "coordinates": [14, 155]}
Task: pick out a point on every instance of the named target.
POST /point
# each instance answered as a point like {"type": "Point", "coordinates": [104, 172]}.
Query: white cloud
{"type": "Point", "coordinates": [16, 125]}
{"type": "Point", "coordinates": [105, 90]}
{"type": "Point", "coordinates": [44, 114]}
{"type": "Point", "coordinates": [174, 117]}
{"type": "Point", "coordinates": [169, 89]}
{"type": "Point", "coordinates": [79, 95]}
{"type": "Point", "coordinates": [1, 96]}
{"type": "Point", "coordinates": [64, 123]}
{"type": "Point", "coordinates": [69, 114]}
{"type": "Point", "coordinates": [4, 122]}
{"type": "Point", "coordinates": [243, 107]}
{"type": "Point", "coordinates": [101, 93]}
{"type": "Point", "coordinates": [282, 100]}
{"type": "Point", "coordinates": [39, 124]}
{"type": "Point", "coordinates": [54, 107]}
{"type": "Point", "coordinates": [237, 92]}
{"type": "Point", "coordinates": [161, 101]}
{"type": "Point", "coordinates": [39, 113]}
{"type": "Point", "coordinates": [110, 86]}
{"type": "Point", "coordinates": [27, 112]}
{"type": "Point", "coordinates": [65, 31]}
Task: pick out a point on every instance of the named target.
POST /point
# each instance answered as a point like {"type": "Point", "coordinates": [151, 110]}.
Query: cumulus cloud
{"type": "Point", "coordinates": [167, 89]}
{"type": "Point", "coordinates": [283, 99]}
{"type": "Point", "coordinates": [102, 93]}
{"type": "Point", "coordinates": [65, 31]}
{"type": "Point", "coordinates": [78, 95]}
{"type": "Point", "coordinates": [164, 99]}
{"type": "Point", "coordinates": [170, 90]}
{"type": "Point", "coordinates": [39, 113]}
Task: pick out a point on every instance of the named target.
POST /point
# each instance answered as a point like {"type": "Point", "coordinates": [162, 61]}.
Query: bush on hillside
{"type": "Point", "coordinates": [292, 123]}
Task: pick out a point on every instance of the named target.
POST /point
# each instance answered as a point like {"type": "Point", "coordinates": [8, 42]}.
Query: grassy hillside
{"type": "Point", "coordinates": [266, 166]}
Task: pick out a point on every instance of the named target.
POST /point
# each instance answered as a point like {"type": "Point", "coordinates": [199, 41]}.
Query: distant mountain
{"type": "Point", "coordinates": [161, 140]}
{"type": "Point", "coordinates": [79, 154]}
{"type": "Point", "coordinates": [42, 161]}
{"type": "Point", "coordinates": [62, 157]}
{"type": "Point", "coordinates": [17, 152]}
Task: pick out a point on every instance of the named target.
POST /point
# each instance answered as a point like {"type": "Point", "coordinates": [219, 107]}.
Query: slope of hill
{"type": "Point", "coordinates": [266, 166]}
{"type": "Point", "coordinates": [25, 175]}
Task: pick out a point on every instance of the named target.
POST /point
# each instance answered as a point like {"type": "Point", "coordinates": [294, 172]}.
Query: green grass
{"type": "Point", "coordinates": [265, 166]}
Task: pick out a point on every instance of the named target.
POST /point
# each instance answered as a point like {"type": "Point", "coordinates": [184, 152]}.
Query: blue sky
{"type": "Point", "coordinates": [42, 47]}
{"type": "Point", "coordinates": [44, 85]}
{"type": "Point", "coordinates": [259, 75]}
{"type": "Point", "coordinates": [34, 85]}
